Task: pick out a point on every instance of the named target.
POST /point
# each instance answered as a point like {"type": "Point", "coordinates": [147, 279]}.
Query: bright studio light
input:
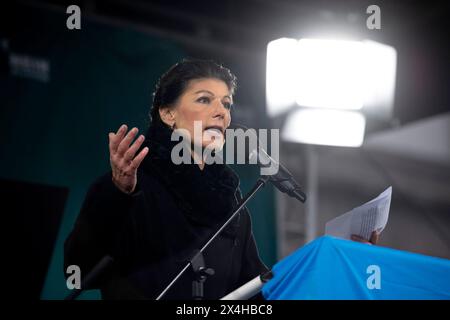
{"type": "Point", "coordinates": [325, 127]}
{"type": "Point", "coordinates": [329, 74]}
{"type": "Point", "coordinates": [334, 74]}
{"type": "Point", "coordinates": [281, 77]}
{"type": "Point", "coordinates": [380, 80]}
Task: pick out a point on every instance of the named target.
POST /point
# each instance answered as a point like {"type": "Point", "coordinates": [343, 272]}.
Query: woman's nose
{"type": "Point", "coordinates": [220, 109]}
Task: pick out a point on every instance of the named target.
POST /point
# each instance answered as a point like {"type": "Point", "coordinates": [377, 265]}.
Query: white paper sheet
{"type": "Point", "coordinates": [363, 220]}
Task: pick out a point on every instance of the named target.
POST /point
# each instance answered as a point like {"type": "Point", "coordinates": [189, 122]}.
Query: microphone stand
{"type": "Point", "coordinates": [197, 261]}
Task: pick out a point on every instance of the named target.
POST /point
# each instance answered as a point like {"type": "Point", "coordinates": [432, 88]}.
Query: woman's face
{"type": "Point", "coordinates": [207, 101]}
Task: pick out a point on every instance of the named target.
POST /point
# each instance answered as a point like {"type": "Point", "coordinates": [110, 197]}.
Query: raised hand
{"type": "Point", "coordinates": [124, 163]}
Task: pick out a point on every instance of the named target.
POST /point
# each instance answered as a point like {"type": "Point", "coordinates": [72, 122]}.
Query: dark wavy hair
{"type": "Point", "coordinates": [174, 82]}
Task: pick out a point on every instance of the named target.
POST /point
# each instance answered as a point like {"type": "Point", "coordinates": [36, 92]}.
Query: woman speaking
{"type": "Point", "coordinates": [150, 214]}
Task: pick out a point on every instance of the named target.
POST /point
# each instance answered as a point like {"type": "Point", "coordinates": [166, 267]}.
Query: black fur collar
{"type": "Point", "coordinates": [206, 196]}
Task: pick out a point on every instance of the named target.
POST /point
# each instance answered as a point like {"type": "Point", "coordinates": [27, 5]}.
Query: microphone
{"type": "Point", "coordinates": [249, 289]}
{"type": "Point", "coordinates": [283, 179]}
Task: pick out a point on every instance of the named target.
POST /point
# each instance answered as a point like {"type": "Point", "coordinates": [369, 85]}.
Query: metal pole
{"type": "Point", "coordinates": [312, 186]}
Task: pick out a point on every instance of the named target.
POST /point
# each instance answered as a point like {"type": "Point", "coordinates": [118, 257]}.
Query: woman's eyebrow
{"type": "Point", "coordinates": [209, 92]}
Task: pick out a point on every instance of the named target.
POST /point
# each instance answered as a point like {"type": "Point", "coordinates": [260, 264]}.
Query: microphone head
{"type": "Point", "coordinates": [283, 179]}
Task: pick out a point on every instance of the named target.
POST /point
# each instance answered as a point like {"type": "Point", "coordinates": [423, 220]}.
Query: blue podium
{"type": "Point", "coordinates": [332, 268]}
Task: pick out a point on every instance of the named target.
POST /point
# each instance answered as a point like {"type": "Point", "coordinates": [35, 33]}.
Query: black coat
{"type": "Point", "coordinates": [152, 233]}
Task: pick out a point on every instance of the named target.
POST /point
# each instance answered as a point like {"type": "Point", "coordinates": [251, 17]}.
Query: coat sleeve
{"type": "Point", "coordinates": [252, 264]}
{"type": "Point", "coordinates": [102, 215]}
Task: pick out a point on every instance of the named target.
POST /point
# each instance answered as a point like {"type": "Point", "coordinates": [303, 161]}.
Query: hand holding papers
{"type": "Point", "coordinates": [363, 220]}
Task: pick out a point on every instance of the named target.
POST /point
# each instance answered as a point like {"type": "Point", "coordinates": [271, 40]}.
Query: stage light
{"type": "Point", "coordinates": [380, 70]}
{"type": "Point", "coordinates": [281, 77]}
{"type": "Point", "coordinates": [325, 127]}
{"type": "Point", "coordinates": [330, 74]}
{"type": "Point", "coordinates": [338, 74]}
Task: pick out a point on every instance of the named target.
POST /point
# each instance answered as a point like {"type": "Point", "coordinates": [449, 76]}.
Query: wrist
{"type": "Point", "coordinates": [118, 186]}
